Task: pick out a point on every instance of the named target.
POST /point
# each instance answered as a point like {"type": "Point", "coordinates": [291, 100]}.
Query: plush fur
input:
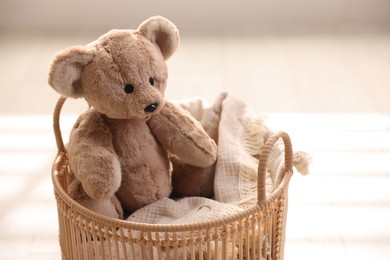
{"type": "Point", "coordinates": [119, 148]}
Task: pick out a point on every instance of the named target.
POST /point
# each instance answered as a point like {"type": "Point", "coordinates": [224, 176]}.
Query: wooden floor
{"type": "Point", "coordinates": [330, 91]}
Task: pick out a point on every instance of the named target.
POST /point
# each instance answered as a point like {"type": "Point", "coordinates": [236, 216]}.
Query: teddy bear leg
{"type": "Point", "coordinates": [110, 207]}
{"type": "Point", "coordinates": [189, 180]}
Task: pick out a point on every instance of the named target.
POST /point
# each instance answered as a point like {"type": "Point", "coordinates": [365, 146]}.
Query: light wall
{"type": "Point", "coordinates": [211, 16]}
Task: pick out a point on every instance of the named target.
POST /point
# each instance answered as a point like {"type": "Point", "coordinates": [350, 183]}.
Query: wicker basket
{"type": "Point", "coordinates": [256, 233]}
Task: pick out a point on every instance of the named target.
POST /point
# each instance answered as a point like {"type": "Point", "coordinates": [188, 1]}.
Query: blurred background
{"type": "Point", "coordinates": [318, 69]}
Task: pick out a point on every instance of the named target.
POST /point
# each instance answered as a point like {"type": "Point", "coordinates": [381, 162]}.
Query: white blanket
{"type": "Point", "coordinates": [240, 135]}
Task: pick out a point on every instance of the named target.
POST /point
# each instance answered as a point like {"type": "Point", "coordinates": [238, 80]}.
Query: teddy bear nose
{"type": "Point", "coordinates": [151, 107]}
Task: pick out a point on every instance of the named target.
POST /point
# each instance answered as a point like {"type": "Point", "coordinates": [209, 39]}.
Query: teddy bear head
{"type": "Point", "coordinates": [123, 73]}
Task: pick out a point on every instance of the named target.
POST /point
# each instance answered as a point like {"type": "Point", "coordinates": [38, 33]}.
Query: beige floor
{"type": "Point", "coordinates": [330, 91]}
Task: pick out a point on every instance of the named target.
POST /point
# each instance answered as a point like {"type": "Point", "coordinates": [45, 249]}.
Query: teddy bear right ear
{"type": "Point", "coordinates": [162, 33]}
{"type": "Point", "coordinates": [65, 70]}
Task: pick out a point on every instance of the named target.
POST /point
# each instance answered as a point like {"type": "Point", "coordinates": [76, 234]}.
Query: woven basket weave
{"type": "Point", "coordinates": [256, 233]}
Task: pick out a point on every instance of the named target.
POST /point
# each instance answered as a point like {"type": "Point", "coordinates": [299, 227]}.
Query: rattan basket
{"type": "Point", "coordinates": [256, 233]}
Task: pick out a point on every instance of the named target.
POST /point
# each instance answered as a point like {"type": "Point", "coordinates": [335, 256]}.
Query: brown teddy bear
{"type": "Point", "coordinates": [120, 147]}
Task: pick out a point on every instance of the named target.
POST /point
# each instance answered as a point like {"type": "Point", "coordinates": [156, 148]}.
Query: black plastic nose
{"type": "Point", "coordinates": [151, 107]}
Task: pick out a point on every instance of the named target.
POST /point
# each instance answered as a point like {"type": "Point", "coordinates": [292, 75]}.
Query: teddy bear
{"type": "Point", "coordinates": [119, 150]}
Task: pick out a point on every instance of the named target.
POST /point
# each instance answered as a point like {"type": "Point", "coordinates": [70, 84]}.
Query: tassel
{"type": "Point", "coordinates": [302, 161]}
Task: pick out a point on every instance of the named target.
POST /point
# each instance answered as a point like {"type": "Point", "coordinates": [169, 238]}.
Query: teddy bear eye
{"type": "Point", "coordinates": [151, 81]}
{"type": "Point", "coordinates": [129, 88]}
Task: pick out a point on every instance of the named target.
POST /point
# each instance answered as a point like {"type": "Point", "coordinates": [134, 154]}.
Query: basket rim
{"type": "Point", "coordinates": [61, 159]}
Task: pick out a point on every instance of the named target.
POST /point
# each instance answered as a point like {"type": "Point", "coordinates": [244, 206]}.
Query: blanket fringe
{"type": "Point", "coordinates": [254, 133]}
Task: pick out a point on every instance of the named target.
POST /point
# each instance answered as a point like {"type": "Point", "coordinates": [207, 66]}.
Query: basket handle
{"type": "Point", "coordinates": [56, 125]}
{"type": "Point", "coordinates": [264, 156]}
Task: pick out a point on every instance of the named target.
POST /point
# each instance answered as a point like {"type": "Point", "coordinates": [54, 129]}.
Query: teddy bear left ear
{"type": "Point", "coordinates": [161, 32]}
{"type": "Point", "coordinates": [65, 70]}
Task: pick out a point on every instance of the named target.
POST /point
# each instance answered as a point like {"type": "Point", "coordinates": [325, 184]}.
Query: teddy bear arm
{"type": "Point", "coordinates": [183, 136]}
{"type": "Point", "coordinates": [92, 157]}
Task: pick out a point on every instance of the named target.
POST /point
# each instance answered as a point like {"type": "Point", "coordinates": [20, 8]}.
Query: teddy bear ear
{"type": "Point", "coordinates": [161, 32]}
{"type": "Point", "coordinates": [65, 70]}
